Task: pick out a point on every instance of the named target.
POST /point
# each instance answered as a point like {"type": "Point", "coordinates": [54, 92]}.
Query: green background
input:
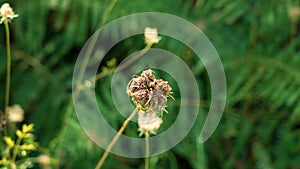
{"type": "Point", "coordinates": [257, 41]}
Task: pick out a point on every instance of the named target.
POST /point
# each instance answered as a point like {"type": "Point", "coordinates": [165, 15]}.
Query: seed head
{"type": "Point", "coordinates": [148, 92]}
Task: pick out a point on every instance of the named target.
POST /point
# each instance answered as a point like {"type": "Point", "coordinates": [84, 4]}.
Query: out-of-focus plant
{"type": "Point", "coordinates": [258, 44]}
{"type": "Point", "coordinates": [16, 153]}
{"type": "Point", "coordinates": [7, 14]}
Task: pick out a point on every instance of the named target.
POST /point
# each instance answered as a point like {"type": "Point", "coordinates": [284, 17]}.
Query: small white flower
{"type": "Point", "coordinates": [15, 113]}
{"type": "Point", "coordinates": [6, 13]}
{"type": "Point", "coordinates": [148, 122]}
{"type": "Point", "coordinates": [151, 35]}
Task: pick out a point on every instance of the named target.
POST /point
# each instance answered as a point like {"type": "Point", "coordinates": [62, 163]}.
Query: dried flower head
{"type": "Point", "coordinates": [6, 13]}
{"type": "Point", "coordinates": [148, 92]}
{"type": "Point", "coordinates": [151, 35]}
{"type": "Point", "coordinates": [15, 113]}
{"type": "Point", "coordinates": [148, 123]}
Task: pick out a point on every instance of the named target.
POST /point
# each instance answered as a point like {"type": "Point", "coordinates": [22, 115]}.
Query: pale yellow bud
{"type": "Point", "coordinates": [151, 35]}
{"type": "Point", "coordinates": [6, 13]}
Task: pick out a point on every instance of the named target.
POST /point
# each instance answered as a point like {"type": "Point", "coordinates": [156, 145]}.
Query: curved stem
{"type": "Point", "coordinates": [135, 57]}
{"type": "Point", "coordinates": [79, 88]}
{"type": "Point", "coordinates": [69, 111]}
{"type": "Point", "coordinates": [63, 131]}
{"type": "Point", "coordinates": [147, 151]}
{"type": "Point", "coordinates": [83, 67]}
{"type": "Point", "coordinates": [114, 140]}
{"type": "Point", "coordinates": [106, 13]}
{"type": "Point", "coordinates": [122, 66]}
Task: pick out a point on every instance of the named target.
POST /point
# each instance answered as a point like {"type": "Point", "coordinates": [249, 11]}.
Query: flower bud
{"type": "Point", "coordinates": [6, 13]}
{"type": "Point", "coordinates": [151, 35]}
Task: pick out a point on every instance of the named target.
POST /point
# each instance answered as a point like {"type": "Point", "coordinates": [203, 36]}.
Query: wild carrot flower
{"type": "Point", "coordinates": [6, 13]}
{"type": "Point", "coordinates": [151, 35]}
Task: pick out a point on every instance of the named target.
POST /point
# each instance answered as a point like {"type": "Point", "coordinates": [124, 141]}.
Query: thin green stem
{"type": "Point", "coordinates": [101, 75]}
{"type": "Point", "coordinates": [147, 151]}
{"type": "Point", "coordinates": [31, 159]}
{"type": "Point", "coordinates": [250, 60]}
{"type": "Point", "coordinates": [8, 71]}
{"type": "Point", "coordinates": [114, 140]}
{"type": "Point", "coordinates": [106, 13]}
{"type": "Point", "coordinates": [80, 87]}
{"type": "Point", "coordinates": [14, 156]}
{"type": "Point", "coordinates": [75, 94]}
{"type": "Point", "coordinates": [135, 57]}
{"type": "Point", "coordinates": [64, 130]}
{"type": "Point", "coordinates": [94, 40]}
{"type": "Point", "coordinates": [8, 64]}
{"type": "Point", "coordinates": [122, 66]}
{"type": "Point", "coordinates": [80, 78]}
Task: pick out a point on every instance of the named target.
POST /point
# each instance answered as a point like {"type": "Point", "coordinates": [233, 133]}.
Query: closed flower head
{"type": "Point", "coordinates": [151, 35]}
{"type": "Point", "coordinates": [6, 13]}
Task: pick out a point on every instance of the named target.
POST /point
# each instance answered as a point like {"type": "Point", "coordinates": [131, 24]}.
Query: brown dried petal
{"type": "Point", "coordinates": [148, 92]}
{"type": "Point", "coordinates": [148, 74]}
{"type": "Point", "coordinates": [157, 100]}
{"type": "Point", "coordinates": [163, 86]}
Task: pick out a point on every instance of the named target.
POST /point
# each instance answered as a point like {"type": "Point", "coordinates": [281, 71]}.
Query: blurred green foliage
{"type": "Point", "coordinates": [258, 43]}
